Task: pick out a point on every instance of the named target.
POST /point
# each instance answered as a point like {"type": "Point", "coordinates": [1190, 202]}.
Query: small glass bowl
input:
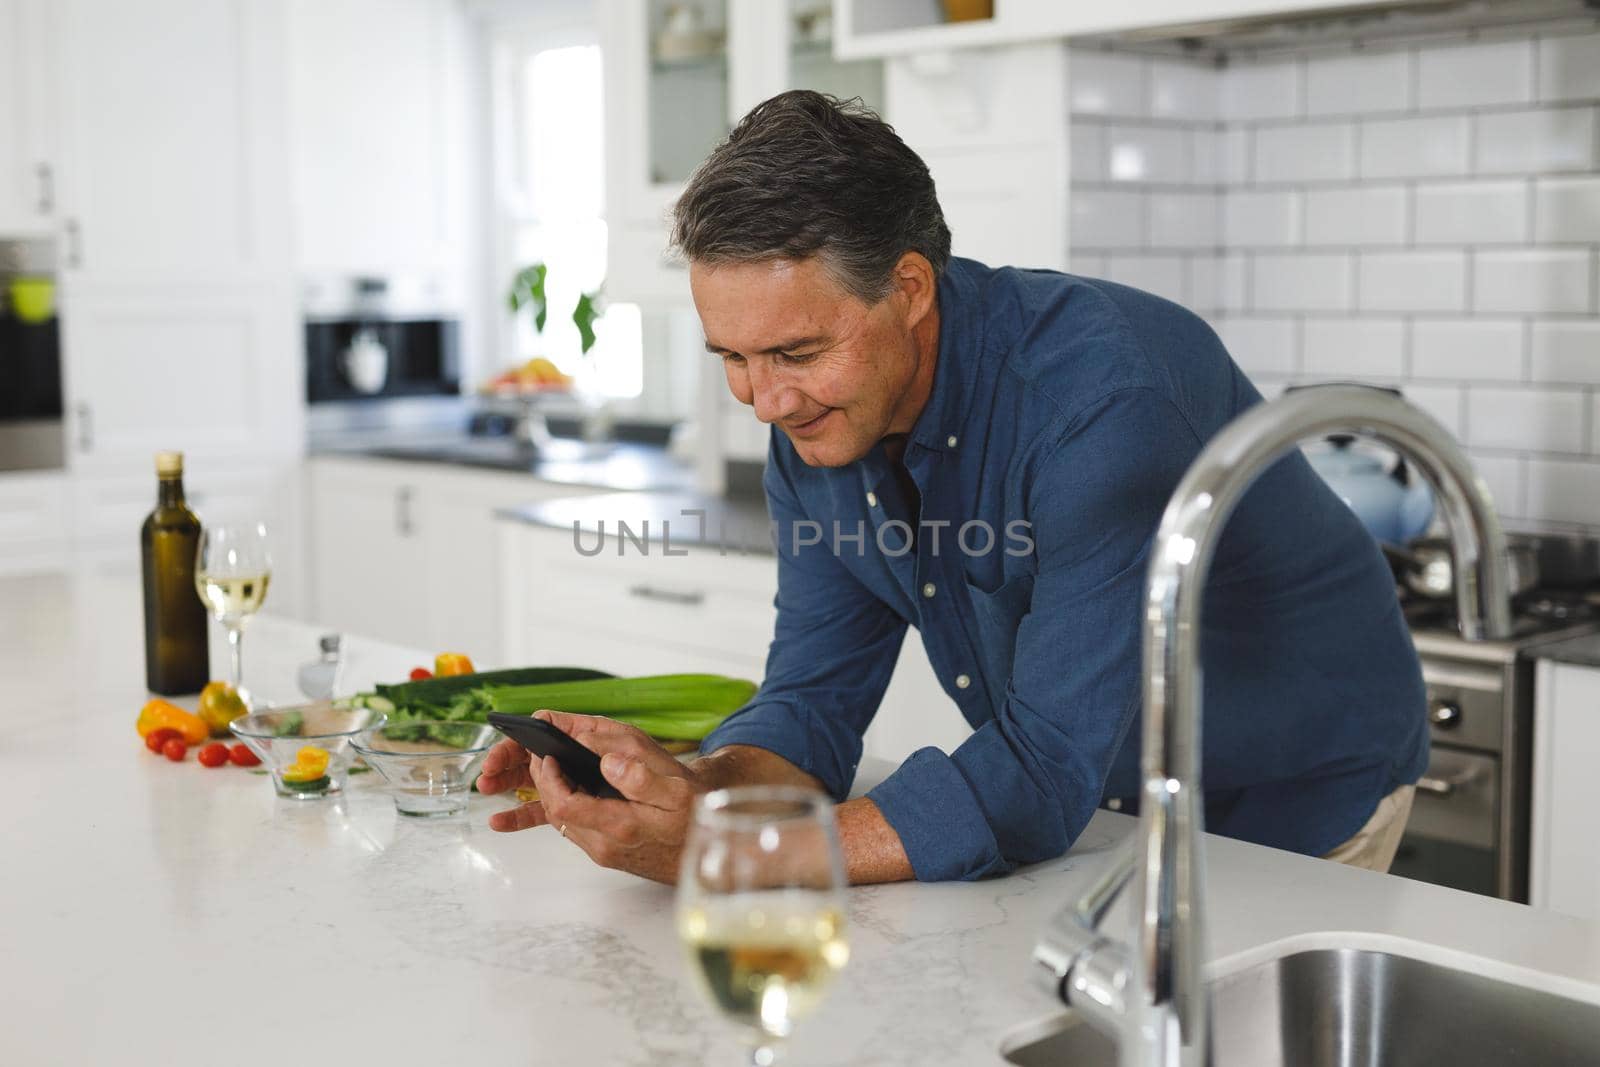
{"type": "Point", "coordinates": [430, 766]}
{"type": "Point", "coordinates": [278, 736]}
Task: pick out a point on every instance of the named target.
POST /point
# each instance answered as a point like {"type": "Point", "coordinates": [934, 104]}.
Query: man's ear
{"type": "Point", "coordinates": [915, 287]}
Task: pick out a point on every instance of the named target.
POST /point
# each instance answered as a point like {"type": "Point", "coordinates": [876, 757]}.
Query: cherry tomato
{"type": "Point", "coordinates": [213, 755]}
{"type": "Point", "coordinates": [243, 757]}
{"type": "Point", "coordinates": [420, 674]}
{"type": "Point", "coordinates": [156, 739]}
{"type": "Point", "coordinates": [175, 749]}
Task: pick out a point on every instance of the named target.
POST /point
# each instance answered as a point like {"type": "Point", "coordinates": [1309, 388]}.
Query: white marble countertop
{"type": "Point", "coordinates": [166, 913]}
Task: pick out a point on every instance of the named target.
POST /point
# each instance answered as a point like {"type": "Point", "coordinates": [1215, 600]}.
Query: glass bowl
{"type": "Point", "coordinates": [307, 747]}
{"type": "Point", "coordinates": [429, 766]}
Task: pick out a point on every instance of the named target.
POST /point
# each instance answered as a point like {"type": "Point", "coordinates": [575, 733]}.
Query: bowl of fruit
{"type": "Point", "coordinates": [307, 748]}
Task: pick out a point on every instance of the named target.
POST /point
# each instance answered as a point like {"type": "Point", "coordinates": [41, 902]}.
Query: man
{"type": "Point", "coordinates": [918, 399]}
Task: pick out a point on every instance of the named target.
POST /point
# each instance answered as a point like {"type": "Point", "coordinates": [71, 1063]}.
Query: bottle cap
{"type": "Point", "coordinates": [169, 464]}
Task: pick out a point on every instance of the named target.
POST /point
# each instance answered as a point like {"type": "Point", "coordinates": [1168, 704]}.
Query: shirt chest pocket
{"type": "Point", "coordinates": [996, 615]}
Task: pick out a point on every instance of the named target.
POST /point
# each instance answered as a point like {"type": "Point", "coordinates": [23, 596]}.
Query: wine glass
{"type": "Point", "coordinates": [231, 573]}
{"type": "Point", "coordinates": [761, 908]}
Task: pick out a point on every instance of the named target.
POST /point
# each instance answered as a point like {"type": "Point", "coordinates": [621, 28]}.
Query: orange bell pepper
{"type": "Point", "coordinates": [447, 663]}
{"type": "Point", "coordinates": [159, 714]}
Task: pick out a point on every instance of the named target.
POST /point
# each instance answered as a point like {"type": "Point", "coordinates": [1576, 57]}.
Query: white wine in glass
{"type": "Point", "coordinates": [761, 908]}
{"type": "Point", "coordinates": [232, 571]}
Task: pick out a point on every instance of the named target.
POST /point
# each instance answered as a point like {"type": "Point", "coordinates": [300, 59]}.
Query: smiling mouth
{"type": "Point", "coordinates": [804, 429]}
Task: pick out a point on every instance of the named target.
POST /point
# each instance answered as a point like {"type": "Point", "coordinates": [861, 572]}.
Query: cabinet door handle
{"type": "Point", "coordinates": [85, 428]}
{"type": "Point", "coordinates": [47, 188]}
{"type": "Point", "coordinates": [74, 244]}
{"type": "Point", "coordinates": [687, 598]}
{"type": "Point", "coordinates": [404, 523]}
{"type": "Point", "coordinates": [1444, 787]}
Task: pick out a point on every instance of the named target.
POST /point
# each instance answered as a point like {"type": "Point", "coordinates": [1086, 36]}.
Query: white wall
{"type": "Point", "coordinates": [1426, 216]}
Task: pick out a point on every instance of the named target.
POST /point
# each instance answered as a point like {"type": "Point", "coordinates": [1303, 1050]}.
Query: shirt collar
{"type": "Point", "coordinates": [960, 342]}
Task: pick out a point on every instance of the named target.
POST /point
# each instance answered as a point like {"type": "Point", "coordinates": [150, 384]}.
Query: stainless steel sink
{"type": "Point", "coordinates": [1348, 1007]}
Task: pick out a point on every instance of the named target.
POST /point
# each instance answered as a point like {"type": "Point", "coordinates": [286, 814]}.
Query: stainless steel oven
{"type": "Point", "coordinates": [1469, 824]}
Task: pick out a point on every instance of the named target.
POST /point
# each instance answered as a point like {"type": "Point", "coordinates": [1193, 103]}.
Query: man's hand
{"type": "Point", "coordinates": [642, 833]}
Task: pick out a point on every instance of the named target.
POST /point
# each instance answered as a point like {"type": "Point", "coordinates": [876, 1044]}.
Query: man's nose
{"type": "Point", "coordinates": [772, 399]}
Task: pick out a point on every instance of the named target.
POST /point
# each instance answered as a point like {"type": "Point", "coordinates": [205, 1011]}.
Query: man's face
{"type": "Point", "coordinates": [828, 370]}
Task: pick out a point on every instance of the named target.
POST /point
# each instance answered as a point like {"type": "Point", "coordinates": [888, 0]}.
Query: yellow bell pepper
{"type": "Point", "coordinates": [448, 663]}
{"type": "Point", "coordinates": [163, 714]}
{"type": "Point", "coordinates": [310, 763]}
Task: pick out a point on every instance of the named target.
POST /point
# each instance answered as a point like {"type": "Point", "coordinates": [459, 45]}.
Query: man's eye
{"type": "Point", "coordinates": [732, 357]}
{"type": "Point", "coordinates": [797, 358]}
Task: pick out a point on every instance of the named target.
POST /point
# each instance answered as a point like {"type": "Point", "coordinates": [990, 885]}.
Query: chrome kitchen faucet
{"type": "Point", "coordinates": [1150, 995]}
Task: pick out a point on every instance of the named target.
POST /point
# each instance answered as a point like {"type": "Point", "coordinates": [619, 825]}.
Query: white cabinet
{"type": "Point", "coordinates": [672, 95]}
{"type": "Point", "coordinates": [1564, 863]}
{"type": "Point", "coordinates": [178, 323]}
{"type": "Point", "coordinates": [34, 510]}
{"type": "Point", "coordinates": [648, 613]}
{"type": "Point", "coordinates": [378, 137]}
{"type": "Point", "coordinates": [407, 552]}
{"type": "Point", "coordinates": [903, 27]}
{"type": "Point", "coordinates": [27, 149]}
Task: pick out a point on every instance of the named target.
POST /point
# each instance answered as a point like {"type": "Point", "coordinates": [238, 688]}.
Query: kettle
{"type": "Point", "coordinates": [1394, 505]}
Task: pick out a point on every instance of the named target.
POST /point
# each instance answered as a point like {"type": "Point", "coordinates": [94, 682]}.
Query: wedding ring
{"type": "Point", "coordinates": [563, 829]}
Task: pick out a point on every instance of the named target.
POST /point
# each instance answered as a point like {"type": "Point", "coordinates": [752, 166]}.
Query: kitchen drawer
{"type": "Point", "coordinates": [701, 601]}
{"type": "Point", "coordinates": [1469, 813]}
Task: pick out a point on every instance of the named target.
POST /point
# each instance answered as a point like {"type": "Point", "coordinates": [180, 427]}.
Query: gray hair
{"type": "Point", "coordinates": [807, 174]}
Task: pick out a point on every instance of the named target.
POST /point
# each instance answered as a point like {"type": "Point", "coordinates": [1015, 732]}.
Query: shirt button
{"type": "Point", "coordinates": [962, 681]}
{"type": "Point", "coordinates": [872, 500]}
{"type": "Point", "coordinates": [929, 589]}
{"type": "Point", "coordinates": [951, 440]}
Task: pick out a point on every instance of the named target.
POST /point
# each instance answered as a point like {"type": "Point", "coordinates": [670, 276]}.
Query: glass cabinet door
{"type": "Point", "coordinates": [811, 62]}
{"type": "Point", "coordinates": [687, 92]}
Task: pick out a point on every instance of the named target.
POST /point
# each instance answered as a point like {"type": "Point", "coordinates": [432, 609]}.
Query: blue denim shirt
{"type": "Point", "coordinates": [1075, 406]}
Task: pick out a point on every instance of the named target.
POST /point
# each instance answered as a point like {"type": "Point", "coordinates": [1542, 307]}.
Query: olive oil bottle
{"type": "Point", "coordinates": [176, 659]}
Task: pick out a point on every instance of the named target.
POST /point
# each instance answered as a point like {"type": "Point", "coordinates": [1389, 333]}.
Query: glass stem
{"type": "Point", "coordinates": [235, 658]}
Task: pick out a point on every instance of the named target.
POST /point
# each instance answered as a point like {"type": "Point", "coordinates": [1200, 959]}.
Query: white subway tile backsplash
{"type": "Point", "coordinates": [1535, 419]}
{"type": "Point", "coordinates": [1567, 210]}
{"type": "Point", "coordinates": [1529, 142]}
{"type": "Point", "coordinates": [1205, 163]}
{"type": "Point", "coordinates": [1260, 346]}
{"type": "Point", "coordinates": [1471, 349]}
{"type": "Point", "coordinates": [1087, 147]}
{"type": "Point", "coordinates": [1322, 152]}
{"type": "Point", "coordinates": [1103, 218]}
{"type": "Point", "coordinates": [1360, 83]}
{"type": "Point", "coordinates": [1475, 74]}
{"type": "Point", "coordinates": [1372, 215]}
{"type": "Point", "coordinates": [1425, 214]}
{"type": "Point", "coordinates": [1433, 146]}
{"type": "Point", "coordinates": [1183, 220]}
{"type": "Point", "coordinates": [1569, 68]}
{"type": "Point", "coordinates": [1100, 83]}
{"type": "Point", "coordinates": [1354, 348]}
{"type": "Point", "coordinates": [1470, 213]}
{"type": "Point", "coordinates": [1235, 146]}
{"type": "Point", "coordinates": [1269, 90]}
{"type": "Point", "coordinates": [1087, 264]}
{"type": "Point", "coordinates": [1506, 477]}
{"type": "Point", "coordinates": [1260, 220]}
{"type": "Point", "coordinates": [1564, 490]}
{"type": "Point", "coordinates": [1412, 281]}
{"type": "Point", "coordinates": [1567, 351]}
{"type": "Point", "coordinates": [1180, 90]}
{"type": "Point", "coordinates": [1301, 282]}
{"type": "Point", "coordinates": [1533, 281]}
{"type": "Point", "coordinates": [1443, 402]}
{"type": "Point", "coordinates": [1162, 275]}
{"type": "Point", "coordinates": [1147, 154]}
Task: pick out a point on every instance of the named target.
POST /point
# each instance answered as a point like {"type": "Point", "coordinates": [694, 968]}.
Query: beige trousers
{"type": "Point", "coordinates": [1374, 845]}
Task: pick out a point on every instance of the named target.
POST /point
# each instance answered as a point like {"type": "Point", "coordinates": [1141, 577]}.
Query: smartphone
{"type": "Point", "coordinates": [579, 764]}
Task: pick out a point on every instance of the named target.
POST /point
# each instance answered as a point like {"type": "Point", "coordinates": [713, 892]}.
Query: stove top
{"type": "Point", "coordinates": [1538, 616]}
